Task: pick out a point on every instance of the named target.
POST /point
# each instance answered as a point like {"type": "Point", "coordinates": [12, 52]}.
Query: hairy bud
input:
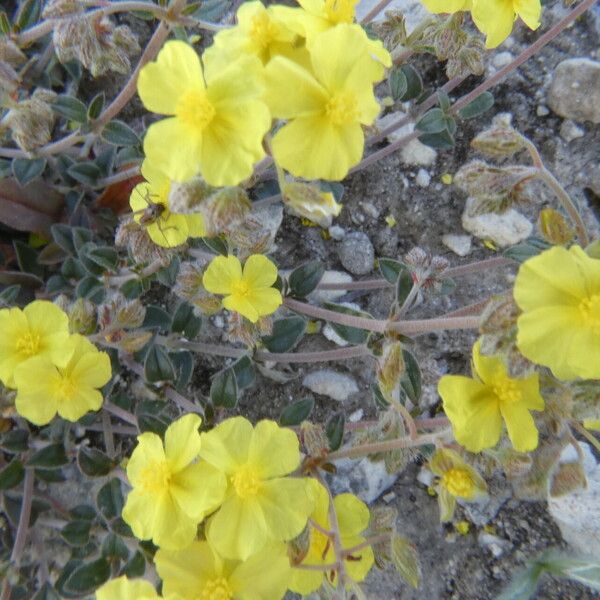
{"type": "Point", "coordinates": [501, 139]}
{"type": "Point", "coordinates": [9, 79]}
{"type": "Point", "coordinates": [314, 439]}
{"type": "Point", "coordinates": [555, 228]}
{"type": "Point", "coordinates": [120, 313]}
{"type": "Point", "coordinates": [82, 317]}
{"type": "Point", "coordinates": [225, 210]}
{"type": "Point", "coordinates": [10, 53]}
{"type": "Point", "coordinates": [390, 367]}
{"type": "Point", "coordinates": [308, 201]}
{"type": "Point", "coordinates": [142, 249]}
{"type": "Point", "coordinates": [61, 8]}
{"type": "Point", "coordinates": [31, 121]}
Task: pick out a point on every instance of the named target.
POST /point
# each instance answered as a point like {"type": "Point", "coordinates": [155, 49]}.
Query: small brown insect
{"type": "Point", "coordinates": [151, 214]}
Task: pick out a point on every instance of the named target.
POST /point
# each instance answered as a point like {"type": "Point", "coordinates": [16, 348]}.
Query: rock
{"type": "Point", "coordinates": [336, 232]}
{"type": "Point", "coordinates": [496, 545]}
{"type": "Point", "coordinates": [575, 90]}
{"type": "Point", "coordinates": [356, 416]}
{"type": "Point", "coordinates": [569, 131]}
{"type": "Point", "coordinates": [425, 477]}
{"type": "Point", "coordinates": [459, 244]}
{"type": "Point", "coordinates": [413, 11]}
{"type": "Point", "coordinates": [362, 477]}
{"type": "Point", "coordinates": [578, 514]}
{"type": "Point", "coordinates": [502, 59]}
{"type": "Point", "coordinates": [320, 296]}
{"type": "Point", "coordinates": [423, 178]}
{"type": "Point", "coordinates": [370, 210]}
{"type": "Point", "coordinates": [505, 229]}
{"type": "Point", "coordinates": [330, 383]}
{"type": "Point", "coordinates": [542, 110]}
{"type": "Point", "coordinates": [482, 512]}
{"type": "Point", "coordinates": [356, 253]}
{"type": "Point", "coordinates": [413, 153]}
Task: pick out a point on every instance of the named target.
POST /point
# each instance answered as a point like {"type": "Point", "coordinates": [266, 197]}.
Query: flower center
{"type": "Point", "coordinates": [156, 477]}
{"type": "Point", "coordinates": [240, 288]}
{"type": "Point", "coordinates": [506, 391]}
{"type": "Point", "coordinates": [590, 311]}
{"type": "Point", "coordinates": [29, 344]}
{"type": "Point", "coordinates": [216, 589]}
{"type": "Point", "coordinates": [246, 481]}
{"type": "Point", "coordinates": [262, 30]}
{"type": "Point", "coordinates": [342, 108]}
{"type": "Point", "coordinates": [66, 387]}
{"type": "Point", "coordinates": [458, 482]}
{"type": "Point", "coordinates": [195, 109]}
{"type": "Point", "coordinates": [339, 11]}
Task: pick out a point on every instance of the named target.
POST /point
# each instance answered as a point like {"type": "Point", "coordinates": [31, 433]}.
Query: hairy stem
{"type": "Point", "coordinates": [312, 357]}
{"type": "Point", "coordinates": [590, 437]}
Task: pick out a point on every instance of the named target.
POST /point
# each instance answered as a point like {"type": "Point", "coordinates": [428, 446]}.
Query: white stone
{"type": "Point", "coordinates": [425, 477]}
{"type": "Point", "coordinates": [413, 153]}
{"type": "Point", "coordinates": [505, 229]}
{"type": "Point", "coordinates": [502, 59]}
{"type": "Point", "coordinates": [578, 514]}
{"type": "Point", "coordinates": [337, 233]}
{"type": "Point", "coordinates": [413, 11]}
{"type": "Point", "coordinates": [356, 416]}
{"type": "Point", "coordinates": [459, 244]}
{"type": "Point", "coordinates": [569, 131]}
{"type": "Point", "coordinates": [496, 545]}
{"type": "Point", "coordinates": [542, 110]}
{"type": "Point", "coordinates": [320, 296]}
{"type": "Point", "coordinates": [423, 178]}
{"type": "Point", "coordinates": [330, 383]}
{"type": "Point", "coordinates": [370, 210]}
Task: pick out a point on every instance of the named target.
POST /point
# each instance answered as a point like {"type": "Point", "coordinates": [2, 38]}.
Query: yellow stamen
{"type": "Point", "coordinates": [459, 482]}
{"type": "Point", "coordinates": [246, 481]}
{"type": "Point", "coordinates": [195, 110]}
{"type": "Point", "coordinates": [342, 108]}
{"type": "Point", "coordinates": [590, 311]}
{"type": "Point", "coordinates": [216, 589]}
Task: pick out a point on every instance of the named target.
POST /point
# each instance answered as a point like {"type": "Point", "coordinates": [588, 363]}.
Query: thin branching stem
{"type": "Point", "coordinates": [590, 437]}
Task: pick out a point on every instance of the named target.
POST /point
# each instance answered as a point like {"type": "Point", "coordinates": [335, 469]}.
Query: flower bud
{"type": "Point", "coordinates": [314, 439]}
{"type": "Point", "coordinates": [225, 210]}
{"type": "Point", "coordinates": [9, 79]}
{"type": "Point", "coordinates": [390, 367]}
{"type": "Point", "coordinates": [554, 227]}
{"type": "Point", "coordinates": [31, 121]}
{"type": "Point", "coordinates": [82, 317]}
{"type": "Point", "coordinates": [188, 196]}
{"type": "Point", "coordinates": [308, 201]}
{"type": "Point", "coordinates": [10, 53]}
{"type": "Point", "coordinates": [142, 249]}
{"type": "Point", "coordinates": [60, 8]}
{"type": "Point", "coordinates": [501, 139]}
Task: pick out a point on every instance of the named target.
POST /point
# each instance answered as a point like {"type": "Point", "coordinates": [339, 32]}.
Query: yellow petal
{"type": "Point", "coordinates": [520, 425]}
{"type": "Point", "coordinates": [494, 19]}
{"type": "Point", "coordinates": [241, 304]}
{"type": "Point", "coordinates": [529, 11]}
{"type": "Point", "coordinates": [83, 401]}
{"type": "Point", "coordinates": [309, 96]}
{"type": "Point", "coordinates": [226, 446]}
{"type": "Point", "coordinates": [530, 390]}
{"type": "Point", "coordinates": [264, 576]}
{"type": "Point", "coordinates": [153, 173]}
{"type": "Point", "coordinates": [122, 588]}
{"type": "Point", "coordinates": [266, 300]}
{"type": "Point", "coordinates": [313, 148]}
{"type": "Point", "coordinates": [259, 272]}
{"type": "Point", "coordinates": [359, 566]}
{"type": "Point", "coordinates": [274, 450]}
{"type": "Point", "coordinates": [170, 231]}
{"type": "Point", "coordinates": [35, 380]}
{"type": "Point", "coordinates": [198, 489]}
{"type": "Point", "coordinates": [238, 528]}
{"type": "Point", "coordinates": [149, 450]}
{"type": "Point", "coordinates": [486, 367]}
{"type": "Point", "coordinates": [221, 274]}
{"type": "Point", "coordinates": [446, 6]}
{"type": "Point", "coordinates": [186, 572]}
{"type": "Point", "coordinates": [13, 323]}
{"type": "Point", "coordinates": [583, 354]}
{"type": "Point", "coordinates": [182, 442]}
{"type": "Point", "coordinates": [161, 83]}
{"type": "Point", "coordinates": [352, 513]}
{"type": "Point", "coordinates": [92, 369]}
{"type": "Point", "coordinates": [175, 147]}
{"type": "Point", "coordinates": [195, 225]}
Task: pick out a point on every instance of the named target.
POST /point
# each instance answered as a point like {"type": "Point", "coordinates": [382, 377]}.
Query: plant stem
{"type": "Point", "coordinates": [186, 405]}
{"type": "Point", "coordinates": [109, 442]}
{"type": "Point", "coordinates": [590, 437]}
{"type": "Point", "coordinates": [310, 357]}
{"type": "Point", "coordinates": [387, 446]}
{"type": "Point", "coordinates": [118, 177]}
{"type": "Point", "coordinates": [374, 11]}
{"type": "Point", "coordinates": [376, 539]}
{"type": "Point", "coordinates": [365, 284]}
{"type": "Point", "coordinates": [118, 280]}
{"type": "Point", "coordinates": [121, 413]}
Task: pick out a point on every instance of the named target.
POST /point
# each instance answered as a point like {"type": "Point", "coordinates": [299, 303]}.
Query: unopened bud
{"type": "Point", "coordinates": [9, 79]}
{"type": "Point", "coordinates": [10, 53]}
{"type": "Point", "coordinates": [186, 197]}
{"type": "Point", "coordinates": [500, 314]}
{"type": "Point", "coordinates": [501, 139]}
{"type": "Point", "coordinates": [189, 281]}
{"type": "Point", "coordinates": [60, 8]}
{"type": "Point", "coordinates": [469, 60]}
{"type": "Point", "coordinates": [314, 439]}
{"type": "Point", "coordinates": [225, 210]}
{"type": "Point", "coordinates": [82, 317]}
{"type": "Point", "coordinates": [383, 519]}
{"type": "Point", "coordinates": [554, 227]}
{"type": "Point", "coordinates": [120, 313]}
{"type": "Point", "coordinates": [31, 121]}
{"type": "Point", "coordinates": [142, 249]}
{"type": "Point", "coordinates": [308, 201]}
{"type": "Point", "coordinates": [390, 367]}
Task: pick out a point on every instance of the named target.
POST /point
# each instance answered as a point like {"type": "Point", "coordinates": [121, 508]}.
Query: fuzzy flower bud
{"type": "Point", "coordinates": [31, 121]}
{"type": "Point", "coordinates": [225, 211]}
{"type": "Point", "coordinates": [314, 439]}
{"type": "Point", "coordinates": [82, 317]}
{"type": "Point", "coordinates": [501, 139]}
{"type": "Point", "coordinates": [60, 8]}
{"type": "Point", "coordinates": [308, 201]}
{"type": "Point", "coordinates": [135, 238]}
{"type": "Point", "coordinates": [10, 53]}
{"type": "Point", "coordinates": [390, 368]}
{"type": "Point", "coordinates": [9, 79]}
{"type": "Point", "coordinates": [119, 312]}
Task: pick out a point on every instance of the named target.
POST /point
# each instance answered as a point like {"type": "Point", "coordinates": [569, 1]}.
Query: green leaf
{"type": "Point", "coordinates": [405, 558]}
{"type": "Point", "coordinates": [14, 441]}
{"type": "Point", "coordinates": [334, 430]}
{"type": "Point", "coordinates": [183, 314]}
{"type": "Point", "coordinates": [81, 237]}
{"type": "Point", "coordinates": [73, 269]}
{"type": "Point", "coordinates": [27, 259]}
{"type": "Point", "coordinates": [244, 372]}
{"type": "Point", "coordinates": [224, 390]}
{"type": "Point", "coordinates": [433, 121]}
{"type": "Point", "coordinates": [285, 335]}
{"type": "Point", "coordinates": [110, 499]}
{"type": "Point", "coordinates": [297, 412]}
{"type": "Point", "coordinates": [398, 83]}
{"type": "Point", "coordinates": [83, 512]}
{"type": "Point", "coordinates": [353, 335]}
{"type": "Point", "coordinates": [158, 365]}
{"type": "Point", "coordinates": [120, 134]}
{"type": "Point", "coordinates": [50, 475]}
{"type": "Point", "coordinates": [49, 457]}
{"type": "Point", "coordinates": [52, 254]}
{"type": "Point", "coordinates": [477, 107]}
{"type": "Point", "coordinates": [12, 474]}
{"type": "Point", "coordinates": [136, 567]}
{"type": "Point", "coordinates": [26, 170]}
{"type": "Point", "coordinates": [70, 108]}
{"type": "Point", "coordinates": [104, 256]}
{"type": "Point", "coordinates": [94, 463]}
{"type": "Point", "coordinates": [46, 592]}
{"type": "Point", "coordinates": [157, 318]}
{"type": "Point", "coordinates": [63, 236]}
{"type": "Point", "coordinates": [443, 140]}
{"type": "Point", "coordinates": [525, 250]}
{"type": "Point", "coordinates": [523, 585]}
{"type": "Point", "coordinates": [88, 577]}
{"type": "Point", "coordinates": [96, 106]}
{"type": "Point", "coordinates": [5, 26]}
{"type": "Point", "coordinates": [9, 295]}
{"type": "Point", "coordinates": [90, 288]}
{"type": "Point", "coordinates": [113, 548]}
{"type": "Point", "coordinates": [380, 400]}
{"type": "Point", "coordinates": [184, 366]}
{"type": "Point", "coordinates": [443, 100]}
{"type": "Point", "coordinates": [304, 279]}
{"type": "Point", "coordinates": [404, 286]}
{"type": "Point", "coordinates": [77, 533]}
{"type": "Point", "coordinates": [411, 379]}
{"type": "Point", "coordinates": [87, 173]}
{"type": "Point", "coordinates": [28, 14]}
{"type": "Point", "coordinates": [216, 245]}
{"type": "Point", "coordinates": [414, 84]}
{"type": "Point", "coordinates": [390, 269]}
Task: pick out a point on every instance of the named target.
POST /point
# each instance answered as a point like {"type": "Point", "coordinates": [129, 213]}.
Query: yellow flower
{"type": "Point", "coordinates": [330, 104]}
{"type": "Point", "coordinates": [261, 504]}
{"type": "Point", "coordinates": [318, 16]}
{"type": "Point", "coordinates": [172, 491]}
{"type": "Point", "coordinates": [353, 519]}
{"type": "Point", "coordinates": [150, 203]}
{"type": "Point", "coordinates": [495, 18]}
{"type": "Point", "coordinates": [559, 294]}
{"type": "Point", "coordinates": [259, 32]}
{"type": "Point", "coordinates": [43, 389]}
{"type": "Point", "coordinates": [214, 128]}
{"type": "Point", "coordinates": [477, 406]}
{"type": "Point", "coordinates": [198, 572]}
{"type": "Point", "coordinates": [457, 480]}
{"type": "Point", "coordinates": [308, 201]}
{"type": "Point", "coordinates": [247, 292]}
{"type": "Point", "coordinates": [447, 6]}
{"type": "Point", "coordinates": [40, 329]}
{"type": "Point", "coordinates": [122, 588]}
